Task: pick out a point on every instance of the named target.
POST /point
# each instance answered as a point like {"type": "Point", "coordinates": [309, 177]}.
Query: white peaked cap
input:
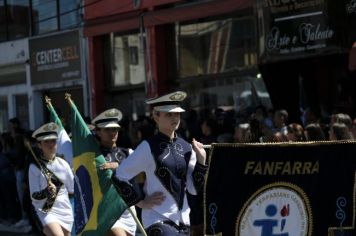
{"type": "Point", "coordinates": [168, 103]}
{"type": "Point", "coordinates": [46, 132]}
{"type": "Point", "coordinates": [108, 119]}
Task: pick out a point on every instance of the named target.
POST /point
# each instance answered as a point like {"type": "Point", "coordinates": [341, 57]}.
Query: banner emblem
{"type": "Point", "coordinates": [279, 209]}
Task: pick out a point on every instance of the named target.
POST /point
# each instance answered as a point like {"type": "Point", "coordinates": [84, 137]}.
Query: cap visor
{"type": "Point", "coordinates": [169, 108]}
{"type": "Point", "coordinates": [108, 125]}
{"type": "Point", "coordinates": [47, 137]}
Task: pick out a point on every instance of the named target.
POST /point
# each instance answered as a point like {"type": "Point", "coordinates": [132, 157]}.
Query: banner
{"type": "Point", "coordinates": [296, 189]}
{"type": "Point", "coordinates": [97, 204]}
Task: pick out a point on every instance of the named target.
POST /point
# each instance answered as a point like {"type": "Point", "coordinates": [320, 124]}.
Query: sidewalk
{"type": "Point", "coordinates": [10, 230]}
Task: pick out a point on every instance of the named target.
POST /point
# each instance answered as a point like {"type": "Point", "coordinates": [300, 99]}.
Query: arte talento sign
{"type": "Point", "coordinates": [55, 58]}
{"type": "Point", "coordinates": [290, 29]}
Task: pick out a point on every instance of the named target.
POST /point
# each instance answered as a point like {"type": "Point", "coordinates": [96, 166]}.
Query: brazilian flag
{"type": "Point", "coordinates": [97, 204]}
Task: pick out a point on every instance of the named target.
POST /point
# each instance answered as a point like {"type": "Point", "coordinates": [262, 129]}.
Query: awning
{"type": "Point", "coordinates": [195, 11]}
{"type": "Point", "coordinates": [115, 23]}
{"type": "Point", "coordinates": [130, 21]}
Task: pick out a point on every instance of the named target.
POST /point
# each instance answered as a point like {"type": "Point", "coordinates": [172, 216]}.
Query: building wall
{"type": "Point", "coordinates": [13, 69]}
{"type": "Point", "coordinates": [22, 97]}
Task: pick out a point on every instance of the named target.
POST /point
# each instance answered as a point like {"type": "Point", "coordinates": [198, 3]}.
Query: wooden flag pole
{"type": "Point", "coordinates": [138, 222]}
{"type": "Point", "coordinates": [28, 145]}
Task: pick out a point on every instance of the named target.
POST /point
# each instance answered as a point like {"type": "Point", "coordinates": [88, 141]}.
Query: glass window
{"type": "Point", "coordinates": [22, 110]}
{"type": "Point", "coordinates": [128, 60]}
{"type": "Point", "coordinates": [220, 59]}
{"type": "Point", "coordinates": [44, 15]}
{"type": "Point", "coordinates": [18, 18]}
{"type": "Point", "coordinates": [235, 93]}
{"type": "Point", "coordinates": [3, 28]}
{"type": "Point", "coordinates": [69, 13]}
{"type": "Point", "coordinates": [10, 75]}
{"type": "Point", "coordinates": [216, 46]}
{"type": "Point", "coordinates": [3, 114]}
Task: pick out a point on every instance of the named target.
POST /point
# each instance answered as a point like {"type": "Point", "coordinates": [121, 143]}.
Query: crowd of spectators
{"type": "Point", "coordinates": [15, 202]}
{"type": "Point", "coordinates": [262, 125]}
{"type": "Point", "coordinates": [216, 126]}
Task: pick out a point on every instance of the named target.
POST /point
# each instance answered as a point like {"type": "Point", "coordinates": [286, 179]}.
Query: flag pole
{"type": "Point", "coordinates": [67, 96]}
{"type": "Point", "coordinates": [138, 222]}
{"type": "Point", "coordinates": [28, 145]}
{"type": "Point", "coordinates": [48, 101]}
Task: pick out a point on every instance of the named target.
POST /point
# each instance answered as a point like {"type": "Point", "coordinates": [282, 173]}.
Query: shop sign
{"type": "Point", "coordinates": [55, 58]}
{"type": "Point", "coordinates": [300, 28]}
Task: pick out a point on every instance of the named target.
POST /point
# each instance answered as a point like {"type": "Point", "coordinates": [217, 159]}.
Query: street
{"type": "Point", "coordinates": [8, 230]}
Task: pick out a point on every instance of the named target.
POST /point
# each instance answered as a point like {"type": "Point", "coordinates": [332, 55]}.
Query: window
{"type": "Point", "coordinates": [213, 47]}
{"type": "Point", "coordinates": [3, 25]}
{"type": "Point", "coordinates": [3, 114]}
{"type": "Point", "coordinates": [44, 16]}
{"type": "Point", "coordinates": [69, 13]}
{"type": "Point", "coordinates": [22, 110]}
{"type": "Point", "coordinates": [18, 18]}
{"type": "Point", "coordinates": [128, 60]}
{"type": "Point", "coordinates": [217, 64]}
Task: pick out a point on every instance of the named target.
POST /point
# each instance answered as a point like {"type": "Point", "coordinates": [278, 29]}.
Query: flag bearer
{"type": "Point", "coordinates": [107, 130]}
{"type": "Point", "coordinates": [51, 182]}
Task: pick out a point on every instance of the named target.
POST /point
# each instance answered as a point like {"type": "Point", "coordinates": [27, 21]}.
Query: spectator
{"type": "Point", "coordinates": [242, 133]}
{"type": "Point", "coordinates": [313, 132]}
{"type": "Point", "coordinates": [280, 119]}
{"type": "Point", "coordinates": [208, 130]}
{"type": "Point", "coordinates": [295, 133]}
{"type": "Point", "coordinates": [353, 128]}
{"type": "Point", "coordinates": [9, 203]}
{"type": "Point", "coordinates": [339, 131]}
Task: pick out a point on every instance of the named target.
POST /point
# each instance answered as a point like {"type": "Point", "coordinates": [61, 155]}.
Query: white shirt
{"type": "Point", "coordinates": [38, 182]}
{"type": "Point", "coordinates": [141, 160]}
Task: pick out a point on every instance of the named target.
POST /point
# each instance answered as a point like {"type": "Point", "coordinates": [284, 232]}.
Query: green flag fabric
{"type": "Point", "coordinates": [64, 143]}
{"type": "Point", "coordinates": [53, 115]}
{"type": "Point", "coordinates": [97, 204]}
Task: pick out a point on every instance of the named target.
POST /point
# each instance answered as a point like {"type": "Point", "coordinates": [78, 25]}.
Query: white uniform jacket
{"type": "Point", "coordinates": [142, 160]}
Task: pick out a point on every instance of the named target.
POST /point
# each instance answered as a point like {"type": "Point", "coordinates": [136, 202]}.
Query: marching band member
{"type": "Point", "coordinates": [107, 130]}
{"type": "Point", "coordinates": [51, 181]}
{"type": "Point", "coordinates": [171, 165]}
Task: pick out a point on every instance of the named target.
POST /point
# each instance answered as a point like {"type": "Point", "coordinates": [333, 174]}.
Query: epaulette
{"type": "Point", "coordinates": [60, 155]}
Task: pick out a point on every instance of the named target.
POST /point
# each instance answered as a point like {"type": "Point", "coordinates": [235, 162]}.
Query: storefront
{"type": "Point", "coordinates": [207, 48]}
{"type": "Point", "coordinates": [39, 66]}
{"type": "Point", "coordinates": [56, 67]}
{"type": "Point", "coordinates": [305, 55]}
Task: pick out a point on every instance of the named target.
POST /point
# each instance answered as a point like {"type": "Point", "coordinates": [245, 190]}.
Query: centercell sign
{"type": "Point", "coordinates": [300, 28]}
{"type": "Point", "coordinates": [55, 58]}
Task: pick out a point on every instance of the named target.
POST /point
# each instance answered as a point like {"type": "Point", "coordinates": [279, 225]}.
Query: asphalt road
{"type": "Point", "coordinates": [14, 231]}
{"type": "Point", "coordinates": [4, 233]}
